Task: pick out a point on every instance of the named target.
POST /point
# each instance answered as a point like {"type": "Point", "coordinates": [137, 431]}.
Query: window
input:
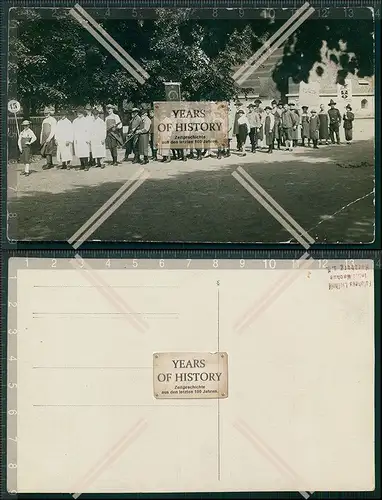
{"type": "Point", "coordinates": [364, 104]}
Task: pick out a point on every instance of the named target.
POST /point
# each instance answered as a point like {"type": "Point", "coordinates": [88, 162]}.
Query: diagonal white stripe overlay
{"type": "Point", "coordinates": [273, 207]}
{"type": "Point", "coordinates": [109, 208]}
{"type": "Point", "coordinates": [80, 15]}
{"type": "Point", "coordinates": [275, 42]}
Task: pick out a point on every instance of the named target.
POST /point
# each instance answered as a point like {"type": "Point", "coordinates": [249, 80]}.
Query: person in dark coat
{"type": "Point", "coordinates": [113, 135]}
{"type": "Point", "coordinates": [289, 124]}
{"type": "Point", "coordinates": [348, 124]}
{"type": "Point", "coordinates": [304, 125]}
{"type": "Point", "coordinates": [324, 124]}
{"type": "Point", "coordinates": [243, 129]}
{"type": "Point", "coordinates": [314, 128]}
{"type": "Point", "coordinates": [295, 129]}
{"type": "Point", "coordinates": [144, 137]}
{"type": "Point", "coordinates": [153, 148]}
{"type": "Point", "coordinates": [235, 131]}
{"type": "Point", "coordinates": [254, 126]}
{"type": "Point", "coordinates": [48, 129]}
{"type": "Point", "coordinates": [277, 110]}
{"type": "Point", "coordinates": [269, 127]}
{"type": "Point", "coordinates": [132, 144]}
{"type": "Point", "coordinates": [26, 138]}
{"type": "Point", "coordinates": [334, 122]}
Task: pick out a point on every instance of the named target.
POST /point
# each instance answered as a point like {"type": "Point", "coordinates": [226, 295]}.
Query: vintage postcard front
{"type": "Point", "coordinates": [206, 120]}
{"type": "Point", "coordinates": [103, 354]}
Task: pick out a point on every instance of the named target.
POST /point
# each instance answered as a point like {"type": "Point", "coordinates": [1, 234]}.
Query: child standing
{"type": "Point", "coordinates": [314, 128]}
{"type": "Point", "coordinates": [26, 138]}
{"type": "Point", "coordinates": [348, 119]}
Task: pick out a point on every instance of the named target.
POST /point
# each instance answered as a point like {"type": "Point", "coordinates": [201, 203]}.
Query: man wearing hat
{"type": "Point", "coordinates": [154, 150]}
{"type": "Point", "coordinates": [48, 129]}
{"type": "Point", "coordinates": [113, 134]}
{"type": "Point", "coordinates": [64, 140]}
{"type": "Point", "coordinates": [334, 122]}
{"type": "Point", "coordinates": [277, 109]}
{"type": "Point", "coordinates": [304, 125]}
{"type": "Point", "coordinates": [348, 124]}
{"type": "Point", "coordinates": [132, 143]}
{"type": "Point", "coordinates": [90, 118]}
{"type": "Point", "coordinates": [26, 138]}
{"type": "Point", "coordinates": [260, 132]}
{"type": "Point", "coordinates": [143, 133]}
{"type": "Point", "coordinates": [243, 129]}
{"type": "Point", "coordinates": [254, 126]}
{"type": "Point", "coordinates": [81, 138]}
{"type": "Point", "coordinates": [235, 130]}
{"type": "Point", "coordinates": [98, 138]}
{"type": "Point", "coordinates": [269, 127]}
{"type": "Point", "coordinates": [289, 123]}
{"type": "Point", "coordinates": [314, 128]}
{"type": "Point", "coordinates": [294, 110]}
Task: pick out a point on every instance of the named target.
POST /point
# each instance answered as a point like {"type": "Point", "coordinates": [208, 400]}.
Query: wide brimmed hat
{"type": "Point", "coordinates": [257, 101]}
{"type": "Point", "coordinates": [110, 106]}
{"type": "Point", "coordinates": [268, 107]}
{"type": "Point", "coordinates": [251, 105]}
{"type": "Point", "coordinates": [304, 107]}
{"type": "Point", "coordinates": [26, 122]}
{"type": "Point", "coordinates": [136, 110]}
{"type": "Point", "coordinates": [313, 111]}
{"type": "Point", "coordinates": [292, 103]}
{"type": "Point", "coordinates": [273, 101]}
{"type": "Point", "coordinates": [332, 102]}
{"type": "Point", "coordinates": [241, 111]}
{"type": "Point", "coordinates": [348, 107]}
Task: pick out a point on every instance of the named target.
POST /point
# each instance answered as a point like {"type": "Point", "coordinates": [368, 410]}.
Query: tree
{"type": "Point", "coordinates": [56, 61]}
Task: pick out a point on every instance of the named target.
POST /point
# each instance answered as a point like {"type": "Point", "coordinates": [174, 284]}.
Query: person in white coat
{"type": "Point", "coordinates": [64, 140]}
{"type": "Point", "coordinates": [89, 116]}
{"type": "Point", "coordinates": [97, 138]}
{"type": "Point", "coordinates": [81, 136]}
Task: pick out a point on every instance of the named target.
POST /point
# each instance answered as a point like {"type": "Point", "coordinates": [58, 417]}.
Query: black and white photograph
{"type": "Point", "coordinates": [191, 125]}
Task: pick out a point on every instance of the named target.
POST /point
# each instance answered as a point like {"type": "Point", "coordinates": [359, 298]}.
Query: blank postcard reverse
{"type": "Point", "coordinates": [128, 376]}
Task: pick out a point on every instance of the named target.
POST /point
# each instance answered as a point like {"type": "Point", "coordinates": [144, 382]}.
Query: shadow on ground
{"type": "Point", "coordinates": [327, 191]}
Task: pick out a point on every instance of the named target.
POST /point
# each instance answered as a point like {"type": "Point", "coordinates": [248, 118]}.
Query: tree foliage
{"type": "Point", "coordinates": [56, 61]}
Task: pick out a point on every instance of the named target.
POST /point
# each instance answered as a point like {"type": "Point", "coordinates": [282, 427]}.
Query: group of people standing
{"type": "Point", "coordinates": [87, 137]}
{"type": "Point", "coordinates": [278, 125]}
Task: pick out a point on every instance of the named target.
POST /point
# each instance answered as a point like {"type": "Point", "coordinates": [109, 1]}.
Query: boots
{"type": "Point", "coordinates": [144, 161]}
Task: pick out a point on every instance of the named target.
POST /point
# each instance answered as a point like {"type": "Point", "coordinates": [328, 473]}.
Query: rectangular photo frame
{"type": "Point", "coordinates": [293, 82]}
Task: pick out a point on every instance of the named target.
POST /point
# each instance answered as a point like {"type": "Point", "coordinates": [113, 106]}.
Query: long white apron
{"type": "Point", "coordinates": [64, 138]}
{"type": "Point", "coordinates": [97, 138]}
{"type": "Point", "coordinates": [81, 135]}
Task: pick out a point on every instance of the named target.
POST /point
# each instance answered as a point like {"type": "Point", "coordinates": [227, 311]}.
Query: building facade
{"type": "Point", "coordinates": [360, 90]}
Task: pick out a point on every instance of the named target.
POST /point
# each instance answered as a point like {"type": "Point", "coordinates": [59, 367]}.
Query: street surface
{"type": "Point", "coordinates": [328, 191]}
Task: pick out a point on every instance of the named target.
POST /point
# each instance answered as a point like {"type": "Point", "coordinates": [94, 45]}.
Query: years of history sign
{"type": "Point", "coordinates": [190, 375]}
{"type": "Point", "coordinates": [185, 124]}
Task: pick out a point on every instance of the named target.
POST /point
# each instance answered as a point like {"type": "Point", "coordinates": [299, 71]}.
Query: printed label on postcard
{"type": "Point", "coordinates": [190, 375]}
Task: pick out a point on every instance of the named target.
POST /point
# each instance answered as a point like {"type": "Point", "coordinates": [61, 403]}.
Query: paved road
{"type": "Point", "coordinates": [328, 191]}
